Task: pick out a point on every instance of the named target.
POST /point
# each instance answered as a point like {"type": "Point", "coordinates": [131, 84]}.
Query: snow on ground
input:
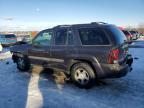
{"type": "Point", "coordinates": [5, 54]}
{"type": "Point", "coordinates": [38, 88]}
{"type": "Point", "coordinates": [141, 38]}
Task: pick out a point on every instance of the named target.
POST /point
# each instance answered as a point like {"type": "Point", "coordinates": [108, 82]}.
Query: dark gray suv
{"type": "Point", "coordinates": [85, 52]}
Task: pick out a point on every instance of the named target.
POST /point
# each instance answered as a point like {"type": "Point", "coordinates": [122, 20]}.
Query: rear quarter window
{"type": "Point", "coordinates": [117, 34]}
{"type": "Point", "coordinates": [93, 36]}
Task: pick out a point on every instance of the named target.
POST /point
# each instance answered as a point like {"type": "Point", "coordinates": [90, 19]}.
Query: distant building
{"type": "Point", "coordinates": [22, 33]}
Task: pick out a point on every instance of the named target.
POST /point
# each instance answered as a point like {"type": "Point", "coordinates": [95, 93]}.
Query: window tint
{"type": "Point", "coordinates": [93, 36]}
{"type": "Point", "coordinates": [44, 38]}
{"type": "Point", "coordinates": [61, 37]}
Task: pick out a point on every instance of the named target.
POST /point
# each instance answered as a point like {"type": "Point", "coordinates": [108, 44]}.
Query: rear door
{"type": "Point", "coordinates": [59, 47]}
{"type": "Point", "coordinates": [39, 53]}
{"type": "Point", "coordinates": [10, 38]}
{"type": "Point", "coordinates": [94, 42]}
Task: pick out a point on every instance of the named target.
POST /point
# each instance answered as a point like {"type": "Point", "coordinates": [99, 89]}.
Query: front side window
{"type": "Point", "coordinates": [93, 36]}
{"type": "Point", "coordinates": [43, 39]}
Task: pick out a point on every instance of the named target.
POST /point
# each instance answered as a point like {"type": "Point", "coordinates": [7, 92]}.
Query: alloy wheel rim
{"type": "Point", "coordinates": [21, 63]}
{"type": "Point", "coordinates": [82, 76]}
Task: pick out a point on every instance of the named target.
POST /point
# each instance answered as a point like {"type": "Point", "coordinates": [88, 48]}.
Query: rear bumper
{"type": "Point", "coordinates": [115, 70]}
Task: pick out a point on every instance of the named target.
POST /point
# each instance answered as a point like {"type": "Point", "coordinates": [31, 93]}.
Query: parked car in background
{"type": "Point", "coordinates": [8, 39]}
{"type": "Point", "coordinates": [24, 40]}
{"type": "Point", "coordinates": [128, 35]}
{"type": "Point", "coordinates": [141, 34]}
{"type": "Point", "coordinates": [134, 35]}
{"type": "Point", "coordinates": [1, 48]}
{"type": "Point", "coordinates": [85, 52]}
{"type": "Point", "coordinates": [27, 38]}
{"type": "Point", "coordinates": [138, 34]}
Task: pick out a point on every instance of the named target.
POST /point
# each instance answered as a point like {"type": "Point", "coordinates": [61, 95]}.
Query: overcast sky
{"type": "Point", "coordinates": [41, 14]}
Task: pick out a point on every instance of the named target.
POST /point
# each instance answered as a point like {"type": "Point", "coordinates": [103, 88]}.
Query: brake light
{"type": "Point", "coordinates": [113, 56]}
{"type": "Point", "coordinates": [129, 36]}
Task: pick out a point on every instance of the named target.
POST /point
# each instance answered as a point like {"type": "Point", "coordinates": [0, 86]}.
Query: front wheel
{"type": "Point", "coordinates": [83, 75]}
{"type": "Point", "coordinates": [23, 63]}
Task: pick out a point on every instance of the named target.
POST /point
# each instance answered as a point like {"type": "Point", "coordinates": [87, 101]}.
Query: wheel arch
{"type": "Point", "coordinates": [76, 61]}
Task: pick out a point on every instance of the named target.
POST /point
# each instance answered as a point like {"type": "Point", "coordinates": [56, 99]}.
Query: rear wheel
{"type": "Point", "coordinates": [83, 75]}
{"type": "Point", "coordinates": [23, 63]}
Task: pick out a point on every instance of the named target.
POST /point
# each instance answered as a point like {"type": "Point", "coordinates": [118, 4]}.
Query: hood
{"type": "Point", "coordinates": [20, 48]}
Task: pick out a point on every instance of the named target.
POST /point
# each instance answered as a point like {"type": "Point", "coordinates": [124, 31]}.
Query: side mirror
{"type": "Point", "coordinates": [35, 43]}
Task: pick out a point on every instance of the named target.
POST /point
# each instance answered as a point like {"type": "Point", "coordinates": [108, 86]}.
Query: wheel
{"type": "Point", "coordinates": [83, 75]}
{"type": "Point", "coordinates": [23, 63]}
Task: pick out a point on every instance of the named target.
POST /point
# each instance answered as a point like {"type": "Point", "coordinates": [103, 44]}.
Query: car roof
{"type": "Point", "coordinates": [7, 34]}
{"type": "Point", "coordinates": [93, 24]}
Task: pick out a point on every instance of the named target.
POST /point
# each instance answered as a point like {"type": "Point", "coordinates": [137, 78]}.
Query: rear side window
{"type": "Point", "coordinates": [93, 36]}
{"type": "Point", "coordinates": [64, 37]}
{"type": "Point", "coordinates": [61, 37]}
{"type": "Point", "coordinates": [116, 33]}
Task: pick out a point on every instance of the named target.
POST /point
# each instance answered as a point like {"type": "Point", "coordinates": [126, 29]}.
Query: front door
{"type": "Point", "coordinates": [39, 53]}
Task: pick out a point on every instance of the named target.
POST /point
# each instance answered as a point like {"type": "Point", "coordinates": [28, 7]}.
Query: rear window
{"type": "Point", "coordinates": [118, 35]}
{"type": "Point", "coordinates": [125, 32]}
{"type": "Point", "coordinates": [10, 36]}
{"type": "Point", "coordinates": [132, 32]}
{"type": "Point", "coordinates": [93, 36]}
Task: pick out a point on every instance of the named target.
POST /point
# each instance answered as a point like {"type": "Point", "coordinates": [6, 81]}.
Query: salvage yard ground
{"type": "Point", "coordinates": [43, 88]}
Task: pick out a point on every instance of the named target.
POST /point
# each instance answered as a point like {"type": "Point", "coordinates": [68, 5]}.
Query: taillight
{"type": "Point", "coordinates": [113, 56]}
{"type": "Point", "coordinates": [129, 36]}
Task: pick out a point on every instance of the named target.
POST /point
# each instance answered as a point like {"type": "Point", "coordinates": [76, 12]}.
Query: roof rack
{"type": "Point", "coordinates": [63, 26]}
{"type": "Point", "coordinates": [98, 23]}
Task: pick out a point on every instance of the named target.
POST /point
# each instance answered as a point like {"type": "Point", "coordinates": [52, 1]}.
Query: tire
{"type": "Point", "coordinates": [83, 75]}
{"type": "Point", "coordinates": [23, 63]}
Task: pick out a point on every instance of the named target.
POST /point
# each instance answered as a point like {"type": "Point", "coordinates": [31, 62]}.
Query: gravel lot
{"type": "Point", "coordinates": [43, 89]}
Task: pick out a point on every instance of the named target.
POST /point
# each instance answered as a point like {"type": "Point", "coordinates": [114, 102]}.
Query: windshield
{"type": "Point", "coordinates": [10, 36]}
{"type": "Point", "coordinates": [132, 32]}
